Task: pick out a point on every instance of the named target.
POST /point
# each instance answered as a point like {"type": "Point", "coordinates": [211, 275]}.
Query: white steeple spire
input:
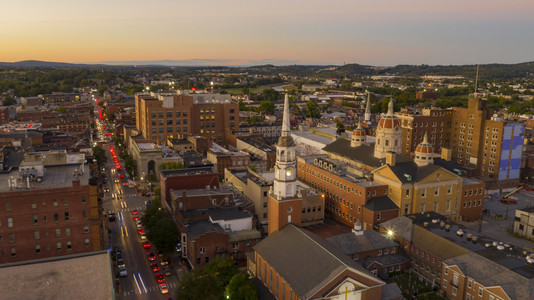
{"type": "Point", "coordinates": [286, 126]}
{"type": "Point", "coordinates": [367, 115]}
{"type": "Point", "coordinates": [284, 185]}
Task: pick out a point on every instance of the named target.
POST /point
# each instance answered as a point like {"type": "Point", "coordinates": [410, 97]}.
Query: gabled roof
{"type": "Point", "coordinates": [409, 171]}
{"type": "Point", "coordinates": [491, 274]}
{"type": "Point", "coordinates": [363, 153]}
{"type": "Point", "coordinates": [350, 243]}
{"type": "Point", "coordinates": [306, 261]}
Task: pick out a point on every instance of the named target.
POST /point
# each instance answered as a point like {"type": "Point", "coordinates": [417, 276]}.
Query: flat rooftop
{"type": "Point", "coordinates": [187, 172]}
{"type": "Point", "coordinates": [506, 255]}
{"type": "Point", "coordinates": [201, 192]}
{"type": "Point", "coordinates": [54, 177]}
{"type": "Point", "coordinates": [79, 276]}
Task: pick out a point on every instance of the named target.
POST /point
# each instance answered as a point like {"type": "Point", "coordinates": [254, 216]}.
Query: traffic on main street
{"type": "Point", "coordinates": [139, 271]}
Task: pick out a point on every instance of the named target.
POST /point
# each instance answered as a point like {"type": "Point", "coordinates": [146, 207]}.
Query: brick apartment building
{"type": "Point", "coordinates": [224, 158]}
{"type": "Point", "coordinates": [211, 225]}
{"type": "Point", "coordinates": [162, 116]}
{"type": "Point", "coordinates": [348, 198]}
{"type": "Point", "coordinates": [436, 123]}
{"type": "Point", "coordinates": [48, 211]}
{"type": "Point", "coordinates": [183, 179]}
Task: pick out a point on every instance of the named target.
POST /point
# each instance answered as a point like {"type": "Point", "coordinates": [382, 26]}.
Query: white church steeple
{"type": "Point", "coordinates": [285, 183]}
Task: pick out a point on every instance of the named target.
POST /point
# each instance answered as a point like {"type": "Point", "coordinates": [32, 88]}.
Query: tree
{"type": "Point", "coordinates": [198, 285]}
{"type": "Point", "coordinates": [8, 101]}
{"type": "Point", "coordinates": [110, 117]}
{"type": "Point", "coordinates": [160, 227]}
{"type": "Point", "coordinates": [61, 109]}
{"type": "Point", "coordinates": [266, 107]}
{"type": "Point", "coordinates": [270, 94]}
{"type": "Point", "coordinates": [170, 165]}
{"type": "Point", "coordinates": [100, 155]}
{"type": "Point", "coordinates": [241, 288]}
{"type": "Point", "coordinates": [312, 110]}
{"type": "Point", "coordinates": [208, 282]}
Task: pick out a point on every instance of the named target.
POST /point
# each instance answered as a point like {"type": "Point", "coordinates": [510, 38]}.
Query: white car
{"type": "Point", "coordinates": [143, 237]}
{"type": "Point", "coordinates": [163, 288]}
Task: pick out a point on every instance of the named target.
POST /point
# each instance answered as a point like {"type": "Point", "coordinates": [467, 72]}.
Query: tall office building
{"type": "Point", "coordinates": [160, 116]}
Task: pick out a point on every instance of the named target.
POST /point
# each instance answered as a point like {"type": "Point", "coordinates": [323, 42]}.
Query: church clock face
{"type": "Point", "coordinates": [289, 209]}
{"type": "Point", "coordinates": [289, 172]}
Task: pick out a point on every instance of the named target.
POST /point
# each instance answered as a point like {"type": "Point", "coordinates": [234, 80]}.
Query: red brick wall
{"type": "Point", "coordinates": [23, 228]}
{"type": "Point", "coordinates": [472, 204]}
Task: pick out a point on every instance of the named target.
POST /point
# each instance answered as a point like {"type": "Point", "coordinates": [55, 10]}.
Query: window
{"type": "Point", "coordinates": [34, 204]}
{"type": "Point", "coordinates": [455, 279]}
{"type": "Point", "coordinates": [202, 250]}
{"type": "Point", "coordinates": [379, 251]}
{"type": "Point", "coordinates": [36, 234]}
{"type": "Point", "coordinates": [54, 203]}
{"type": "Point", "coordinates": [84, 213]}
{"type": "Point", "coordinates": [264, 204]}
{"type": "Point", "coordinates": [37, 249]}
{"type": "Point", "coordinates": [436, 191]}
{"type": "Point", "coordinates": [87, 242]}
{"type": "Point", "coordinates": [35, 222]}
{"type": "Point", "coordinates": [8, 206]}
{"type": "Point", "coordinates": [378, 216]}
{"type": "Point", "coordinates": [56, 217]}
{"type": "Point", "coordinates": [9, 222]}
{"type": "Point", "coordinates": [446, 271]}
{"type": "Point", "coordinates": [58, 246]}
{"type": "Point", "coordinates": [67, 216]}
{"type": "Point", "coordinates": [422, 207]}
{"type": "Point", "coordinates": [13, 252]}
{"type": "Point", "coordinates": [444, 283]}
{"type": "Point", "coordinates": [45, 219]}
{"type": "Point", "coordinates": [67, 231]}
{"type": "Point", "coordinates": [58, 232]}
{"type": "Point", "coordinates": [454, 290]}
{"type": "Point", "coordinates": [470, 283]}
{"type": "Point", "coordinates": [85, 228]}
{"type": "Point", "coordinates": [69, 245]}
{"type": "Point", "coordinates": [423, 192]}
{"type": "Point", "coordinates": [65, 202]}
{"type": "Point", "coordinates": [480, 291]}
{"type": "Point", "coordinates": [84, 200]}
{"type": "Point", "coordinates": [235, 245]}
{"type": "Point", "coordinates": [11, 237]}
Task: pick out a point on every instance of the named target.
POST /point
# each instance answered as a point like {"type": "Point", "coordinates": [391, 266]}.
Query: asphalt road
{"type": "Point", "coordinates": [140, 283]}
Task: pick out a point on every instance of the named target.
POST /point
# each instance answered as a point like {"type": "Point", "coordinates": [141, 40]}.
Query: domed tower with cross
{"type": "Point", "coordinates": [388, 134]}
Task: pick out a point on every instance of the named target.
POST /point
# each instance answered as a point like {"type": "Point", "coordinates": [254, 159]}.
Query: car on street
{"type": "Point", "coordinates": [138, 223]}
{"type": "Point", "coordinates": [168, 271]}
{"type": "Point", "coordinates": [146, 245]}
{"type": "Point", "coordinates": [154, 267]}
{"type": "Point", "coordinates": [163, 288]}
{"type": "Point", "coordinates": [122, 271]}
{"type": "Point", "coordinates": [140, 231]}
{"type": "Point", "coordinates": [151, 256]}
{"type": "Point", "coordinates": [112, 217]}
{"type": "Point", "coordinates": [164, 262]}
{"type": "Point", "coordinates": [143, 237]}
{"type": "Point", "coordinates": [135, 212]}
{"type": "Point", "coordinates": [160, 278]}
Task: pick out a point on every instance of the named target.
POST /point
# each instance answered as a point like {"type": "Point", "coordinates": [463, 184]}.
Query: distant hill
{"type": "Point", "coordinates": [487, 71]}
{"type": "Point", "coordinates": [39, 63]}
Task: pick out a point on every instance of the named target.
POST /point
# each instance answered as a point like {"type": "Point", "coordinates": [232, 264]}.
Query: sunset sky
{"type": "Point", "coordinates": [242, 32]}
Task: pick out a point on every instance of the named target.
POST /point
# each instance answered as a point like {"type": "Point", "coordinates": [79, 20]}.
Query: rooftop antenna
{"type": "Point", "coordinates": [476, 82]}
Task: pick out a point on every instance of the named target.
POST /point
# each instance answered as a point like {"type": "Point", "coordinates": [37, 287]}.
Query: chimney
{"type": "Point", "coordinates": [446, 153]}
{"type": "Point", "coordinates": [391, 158]}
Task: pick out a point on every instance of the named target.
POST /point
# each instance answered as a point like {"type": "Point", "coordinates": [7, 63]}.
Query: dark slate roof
{"type": "Point", "coordinates": [305, 260]}
{"type": "Point", "coordinates": [385, 260]}
{"type": "Point", "coordinates": [410, 172]}
{"type": "Point", "coordinates": [362, 153]}
{"type": "Point", "coordinates": [489, 273]}
{"type": "Point", "coordinates": [391, 291]}
{"type": "Point", "coordinates": [450, 166]}
{"type": "Point", "coordinates": [402, 226]}
{"type": "Point", "coordinates": [228, 213]}
{"type": "Point", "coordinates": [198, 228]}
{"type": "Point", "coordinates": [381, 204]}
{"type": "Point", "coordinates": [20, 134]}
{"type": "Point", "coordinates": [350, 243]}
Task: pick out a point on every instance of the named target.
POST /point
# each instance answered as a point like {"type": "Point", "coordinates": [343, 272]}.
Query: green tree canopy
{"type": "Point", "coordinates": [270, 94]}
{"type": "Point", "coordinates": [241, 288]}
{"type": "Point", "coordinates": [100, 155]}
{"type": "Point", "coordinates": [266, 107]}
{"type": "Point", "coordinates": [8, 101]}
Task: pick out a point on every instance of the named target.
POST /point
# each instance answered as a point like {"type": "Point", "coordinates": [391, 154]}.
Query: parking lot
{"type": "Point", "coordinates": [498, 218]}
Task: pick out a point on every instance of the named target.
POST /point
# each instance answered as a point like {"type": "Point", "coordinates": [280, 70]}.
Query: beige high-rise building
{"type": "Point", "coordinates": [434, 122]}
